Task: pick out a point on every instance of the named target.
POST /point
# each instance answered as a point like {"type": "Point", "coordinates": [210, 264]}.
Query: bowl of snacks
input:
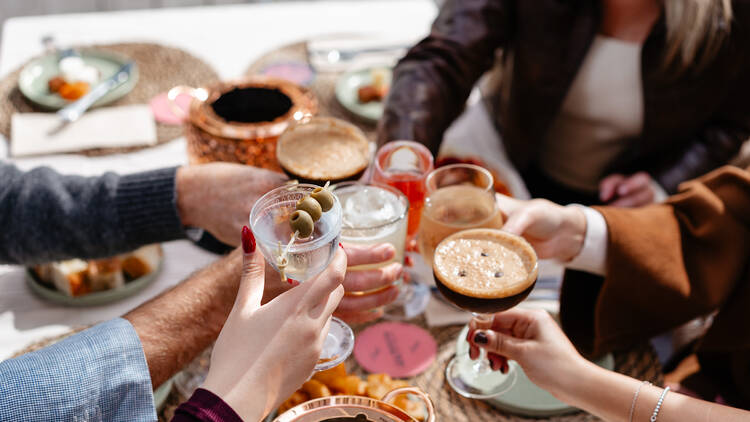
{"type": "Point", "coordinates": [77, 282]}
{"type": "Point", "coordinates": [52, 82]}
{"type": "Point", "coordinates": [362, 92]}
{"type": "Point", "coordinates": [335, 396]}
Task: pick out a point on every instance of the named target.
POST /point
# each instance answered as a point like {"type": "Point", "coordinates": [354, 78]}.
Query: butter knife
{"type": "Point", "coordinates": [74, 111]}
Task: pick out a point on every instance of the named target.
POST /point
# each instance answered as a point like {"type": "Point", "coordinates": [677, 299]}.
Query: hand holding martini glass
{"type": "Point", "coordinates": [298, 228]}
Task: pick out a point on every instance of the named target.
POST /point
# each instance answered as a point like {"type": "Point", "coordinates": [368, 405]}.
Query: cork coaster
{"type": "Point", "coordinates": [323, 86]}
{"type": "Point", "coordinates": [160, 68]}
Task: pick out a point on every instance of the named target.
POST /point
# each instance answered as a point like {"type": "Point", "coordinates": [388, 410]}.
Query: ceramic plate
{"type": "Point", "coordinates": [346, 93]}
{"type": "Point", "coordinates": [525, 398]}
{"type": "Point", "coordinates": [32, 82]}
{"type": "Point", "coordinates": [92, 299]}
{"type": "Point", "coordinates": [162, 393]}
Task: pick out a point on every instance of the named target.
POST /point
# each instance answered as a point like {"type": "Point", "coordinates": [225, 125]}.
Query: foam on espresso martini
{"type": "Point", "coordinates": [485, 270]}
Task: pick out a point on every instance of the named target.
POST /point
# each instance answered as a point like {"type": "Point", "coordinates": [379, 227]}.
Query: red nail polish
{"type": "Point", "coordinates": [293, 282]}
{"type": "Point", "coordinates": [341, 246]}
{"type": "Point", "coordinates": [248, 240]}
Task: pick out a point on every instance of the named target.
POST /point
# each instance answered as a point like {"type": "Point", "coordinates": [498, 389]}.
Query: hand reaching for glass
{"type": "Point", "coordinates": [265, 352]}
{"type": "Point", "coordinates": [218, 197]}
{"type": "Point", "coordinates": [555, 232]}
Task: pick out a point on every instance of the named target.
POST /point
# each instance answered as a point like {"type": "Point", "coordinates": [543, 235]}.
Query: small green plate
{"type": "Point", "coordinates": [32, 82]}
{"type": "Point", "coordinates": [162, 393]}
{"type": "Point", "coordinates": [92, 299]}
{"type": "Point", "coordinates": [525, 398]}
{"type": "Point", "coordinates": [346, 93]}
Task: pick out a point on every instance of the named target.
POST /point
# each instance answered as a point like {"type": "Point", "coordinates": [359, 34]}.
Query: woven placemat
{"type": "Point", "coordinates": [323, 86]}
{"type": "Point", "coordinates": [160, 68]}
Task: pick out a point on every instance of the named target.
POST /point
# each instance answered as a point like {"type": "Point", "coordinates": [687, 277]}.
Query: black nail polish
{"type": "Point", "coordinates": [492, 364]}
{"type": "Point", "coordinates": [480, 338]}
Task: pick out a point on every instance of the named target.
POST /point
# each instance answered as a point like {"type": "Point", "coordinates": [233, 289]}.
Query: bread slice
{"type": "Point", "coordinates": [70, 277]}
{"type": "Point", "coordinates": [105, 274]}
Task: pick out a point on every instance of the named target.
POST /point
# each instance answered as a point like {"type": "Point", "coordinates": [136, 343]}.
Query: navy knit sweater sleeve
{"type": "Point", "coordinates": [46, 216]}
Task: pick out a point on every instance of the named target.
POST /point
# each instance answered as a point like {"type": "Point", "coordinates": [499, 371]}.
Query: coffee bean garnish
{"type": "Point", "coordinates": [484, 253]}
{"type": "Point", "coordinates": [498, 274]}
{"type": "Point", "coordinates": [462, 273]}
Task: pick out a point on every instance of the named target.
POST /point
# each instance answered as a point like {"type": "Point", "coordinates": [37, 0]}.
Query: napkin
{"type": "Point", "coordinates": [110, 127]}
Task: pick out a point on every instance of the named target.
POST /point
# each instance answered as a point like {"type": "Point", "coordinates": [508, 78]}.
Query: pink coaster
{"type": "Point", "coordinates": [163, 113]}
{"type": "Point", "coordinates": [297, 72]}
{"type": "Point", "coordinates": [395, 348]}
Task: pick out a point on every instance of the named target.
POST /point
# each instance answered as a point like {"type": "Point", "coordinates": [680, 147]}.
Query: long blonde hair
{"type": "Point", "coordinates": [695, 31]}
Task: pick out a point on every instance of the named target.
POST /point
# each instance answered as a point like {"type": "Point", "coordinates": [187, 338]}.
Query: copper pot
{"type": "Point", "coordinates": [212, 138]}
{"type": "Point", "coordinates": [356, 409]}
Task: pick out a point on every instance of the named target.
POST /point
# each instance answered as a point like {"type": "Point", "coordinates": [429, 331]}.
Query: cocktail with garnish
{"type": "Point", "coordinates": [297, 228]}
{"type": "Point", "coordinates": [483, 271]}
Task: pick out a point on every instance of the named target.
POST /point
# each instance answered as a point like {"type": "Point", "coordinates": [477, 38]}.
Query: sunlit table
{"type": "Point", "coordinates": [227, 37]}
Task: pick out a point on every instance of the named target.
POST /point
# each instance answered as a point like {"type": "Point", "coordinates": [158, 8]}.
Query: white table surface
{"type": "Point", "coordinates": [227, 37]}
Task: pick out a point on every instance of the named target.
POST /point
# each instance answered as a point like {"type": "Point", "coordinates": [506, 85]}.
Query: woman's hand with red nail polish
{"type": "Point", "coordinates": [534, 340]}
{"type": "Point", "coordinates": [255, 376]}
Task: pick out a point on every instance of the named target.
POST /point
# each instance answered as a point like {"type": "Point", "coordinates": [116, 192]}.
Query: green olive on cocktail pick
{"type": "Point", "coordinates": [302, 223]}
{"type": "Point", "coordinates": [324, 198]}
{"type": "Point", "coordinates": [311, 206]}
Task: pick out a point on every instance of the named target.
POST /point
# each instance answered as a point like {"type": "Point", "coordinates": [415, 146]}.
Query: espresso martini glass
{"type": "Point", "coordinates": [483, 271]}
{"type": "Point", "coordinates": [304, 258]}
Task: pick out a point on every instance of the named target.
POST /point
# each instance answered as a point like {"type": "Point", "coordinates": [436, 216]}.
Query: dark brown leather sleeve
{"type": "Point", "coordinates": [432, 82]}
{"type": "Point", "coordinates": [667, 264]}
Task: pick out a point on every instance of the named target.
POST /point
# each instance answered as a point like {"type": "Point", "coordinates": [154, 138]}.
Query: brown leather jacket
{"type": "Point", "coordinates": [670, 263]}
{"type": "Point", "coordinates": [693, 122]}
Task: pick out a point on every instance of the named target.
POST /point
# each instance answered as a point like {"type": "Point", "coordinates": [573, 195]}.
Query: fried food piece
{"type": "Point", "coordinates": [316, 389]}
{"type": "Point", "coordinates": [298, 397]}
{"type": "Point", "coordinates": [350, 385]}
{"type": "Point", "coordinates": [55, 84]}
{"type": "Point", "coordinates": [378, 385]}
{"type": "Point", "coordinates": [328, 376]}
{"type": "Point", "coordinates": [73, 91]}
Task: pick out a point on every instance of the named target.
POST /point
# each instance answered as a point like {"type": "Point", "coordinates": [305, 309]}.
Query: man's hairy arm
{"type": "Point", "coordinates": [177, 325]}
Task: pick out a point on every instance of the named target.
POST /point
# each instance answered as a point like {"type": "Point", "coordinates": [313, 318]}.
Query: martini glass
{"type": "Point", "coordinates": [306, 258]}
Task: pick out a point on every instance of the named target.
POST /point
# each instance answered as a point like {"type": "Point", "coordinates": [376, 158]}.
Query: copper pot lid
{"type": "Point", "coordinates": [356, 409]}
{"type": "Point", "coordinates": [202, 114]}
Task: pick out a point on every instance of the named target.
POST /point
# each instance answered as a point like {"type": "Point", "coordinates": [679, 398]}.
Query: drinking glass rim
{"type": "Point", "coordinates": [391, 189]}
{"type": "Point", "coordinates": [533, 272]}
{"type": "Point", "coordinates": [480, 169]}
{"type": "Point", "coordinates": [255, 211]}
{"type": "Point", "coordinates": [395, 144]}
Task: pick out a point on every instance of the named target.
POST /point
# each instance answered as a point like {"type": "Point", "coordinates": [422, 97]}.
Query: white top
{"type": "Point", "coordinates": [603, 107]}
{"type": "Point", "coordinates": [593, 254]}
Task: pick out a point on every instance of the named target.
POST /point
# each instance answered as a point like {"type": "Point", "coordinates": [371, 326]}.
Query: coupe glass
{"type": "Point", "coordinates": [269, 220]}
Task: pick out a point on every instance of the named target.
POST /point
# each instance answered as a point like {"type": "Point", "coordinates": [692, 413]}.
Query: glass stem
{"type": "Point", "coordinates": [482, 364]}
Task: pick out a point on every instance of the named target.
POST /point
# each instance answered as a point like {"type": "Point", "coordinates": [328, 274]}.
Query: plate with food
{"type": "Point", "coordinates": [362, 92]}
{"type": "Point", "coordinates": [77, 282]}
{"type": "Point", "coordinates": [52, 82]}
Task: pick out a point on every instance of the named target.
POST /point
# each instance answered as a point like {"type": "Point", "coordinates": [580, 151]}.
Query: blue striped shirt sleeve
{"type": "Point", "coordinates": [99, 374]}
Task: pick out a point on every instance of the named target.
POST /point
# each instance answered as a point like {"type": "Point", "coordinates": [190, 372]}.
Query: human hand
{"type": "Point", "coordinates": [552, 230]}
{"type": "Point", "coordinates": [356, 308]}
{"type": "Point", "coordinates": [533, 339]}
{"type": "Point", "coordinates": [619, 190]}
{"type": "Point", "coordinates": [218, 197]}
{"type": "Point", "coordinates": [264, 353]}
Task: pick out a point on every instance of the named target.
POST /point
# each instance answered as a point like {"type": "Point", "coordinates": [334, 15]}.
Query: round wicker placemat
{"type": "Point", "coordinates": [323, 86]}
{"type": "Point", "coordinates": [160, 68]}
